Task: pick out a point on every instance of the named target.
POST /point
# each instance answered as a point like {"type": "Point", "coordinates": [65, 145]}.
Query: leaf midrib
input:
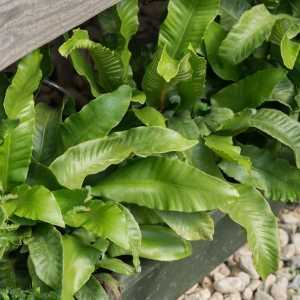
{"type": "Point", "coordinates": [181, 38]}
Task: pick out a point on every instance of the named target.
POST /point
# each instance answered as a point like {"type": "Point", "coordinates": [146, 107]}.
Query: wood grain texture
{"type": "Point", "coordinates": [28, 24]}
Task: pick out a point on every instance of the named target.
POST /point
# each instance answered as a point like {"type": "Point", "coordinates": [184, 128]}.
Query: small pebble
{"type": "Point", "coordinates": [296, 262]}
{"type": "Point", "coordinates": [283, 237]}
{"type": "Point", "coordinates": [291, 217]}
{"type": "Point", "coordinates": [255, 284]}
{"type": "Point", "coordinates": [247, 294]}
{"type": "Point", "coordinates": [279, 289]}
{"type": "Point", "coordinates": [288, 252]}
{"type": "Point", "coordinates": [295, 284]}
{"type": "Point", "coordinates": [220, 272]}
{"type": "Point", "coordinates": [245, 278]}
{"type": "Point", "coordinates": [207, 283]}
{"type": "Point", "coordinates": [291, 293]}
{"type": "Point", "coordinates": [289, 228]}
{"type": "Point", "coordinates": [231, 261]}
{"type": "Point", "coordinates": [296, 241]}
{"type": "Point", "coordinates": [270, 280]}
{"type": "Point", "coordinates": [194, 296]}
{"type": "Point", "coordinates": [285, 273]}
{"type": "Point", "coordinates": [234, 296]}
{"type": "Point", "coordinates": [246, 264]}
{"type": "Point", "coordinates": [217, 296]}
{"type": "Point", "coordinates": [243, 251]}
{"type": "Point", "coordinates": [229, 285]}
{"type": "Point", "coordinates": [261, 295]}
{"type": "Point", "coordinates": [204, 294]}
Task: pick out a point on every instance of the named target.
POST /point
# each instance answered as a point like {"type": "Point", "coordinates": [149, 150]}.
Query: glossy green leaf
{"type": "Point", "coordinates": [167, 67]}
{"type": "Point", "coordinates": [139, 97]}
{"type": "Point", "coordinates": [144, 215]}
{"type": "Point", "coordinates": [155, 86]}
{"type": "Point", "coordinates": [15, 151]}
{"type": "Point", "coordinates": [36, 282]}
{"type": "Point", "coordinates": [150, 116]}
{"type": "Point", "coordinates": [185, 24]}
{"type": "Point", "coordinates": [217, 117]}
{"type": "Point", "coordinates": [128, 13]}
{"type": "Point", "coordinates": [190, 226]}
{"type": "Point", "coordinates": [161, 243]}
{"type": "Point", "coordinates": [231, 11]}
{"type": "Point", "coordinates": [45, 139]}
{"type": "Point", "coordinates": [277, 179]}
{"type": "Point", "coordinates": [106, 220]}
{"type": "Point", "coordinates": [116, 265]}
{"type": "Point", "coordinates": [253, 212]}
{"type": "Point", "coordinates": [204, 159]}
{"type": "Point", "coordinates": [97, 118]}
{"type": "Point", "coordinates": [213, 38]}
{"type": "Point", "coordinates": [46, 253]}
{"type": "Point", "coordinates": [40, 174]}
{"type": "Point", "coordinates": [165, 184]}
{"type": "Point", "coordinates": [12, 238]}
{"type": "Point", "coordinates": [237, 123]}
{"type": "Point", "coordinates": [279, 29]}
{"type": "Point", "coordinates": [24, 84]}
{"type": "Point", "coordinates": [295, 5]}
{"type": "Point", "coordinates": [84, 68]}
{"type": "Point", "coordinates": [199, 156]}
{"type": "Point", "coordinates": [87, 158]}
{"type": "Point", "coordinates": [284, 93]}
{"type": "Point", "coordinates": [92, 290]}
{"type": "Point", "coordinates": [191, 90]}
{"type": "Point", "coordinates": [6, 126]}
{"type": "Point", "coordinates": [251, 91]}
{"type": "Point", "coordinates": [107, 63]}
{"type": "Point", "coordinates": [270, 121]}
{"type": "Point", "coordinates": [71, 203]}
{"type": "Point", "coordinates": [252, 29]}
{"type": "Point", "coordinates": [38, 203]}
{"type": "Point", "coordinates": [186, 126]}
{"type": "Point", "coordinates": [134, 236]}
{"type": "Point", "coordinates": [96, 155]}
{"type": "Point", "coordinates": [146, 141]}
{"type": "Point", "coordinates": [279, 126]}
{"type": "Point", "coordinates": [289, 48]}
{"type": "Point", "coordinates": [8, 277]}
{"type": "Point", "coordinates": [224, 147]}
{"type": "Point", "coordinates": [79, 264]}
{"type": "Point", "coordinates": [68, 199]}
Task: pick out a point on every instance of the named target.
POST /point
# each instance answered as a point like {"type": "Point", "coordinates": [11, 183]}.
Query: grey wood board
{"type": "Point", "coordinates": [28, 24]}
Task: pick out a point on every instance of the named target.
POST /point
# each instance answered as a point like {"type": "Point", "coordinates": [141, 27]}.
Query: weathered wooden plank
{"type": "Point", "coordinates": [28, 24]}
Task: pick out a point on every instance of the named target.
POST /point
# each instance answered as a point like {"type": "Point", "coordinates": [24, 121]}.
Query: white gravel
{"type": "Point", "coordinates": [237, 279]}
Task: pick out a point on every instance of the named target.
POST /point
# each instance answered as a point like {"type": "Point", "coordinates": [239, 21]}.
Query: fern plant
{"type": "Point", "coordinates": [136, 172]}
